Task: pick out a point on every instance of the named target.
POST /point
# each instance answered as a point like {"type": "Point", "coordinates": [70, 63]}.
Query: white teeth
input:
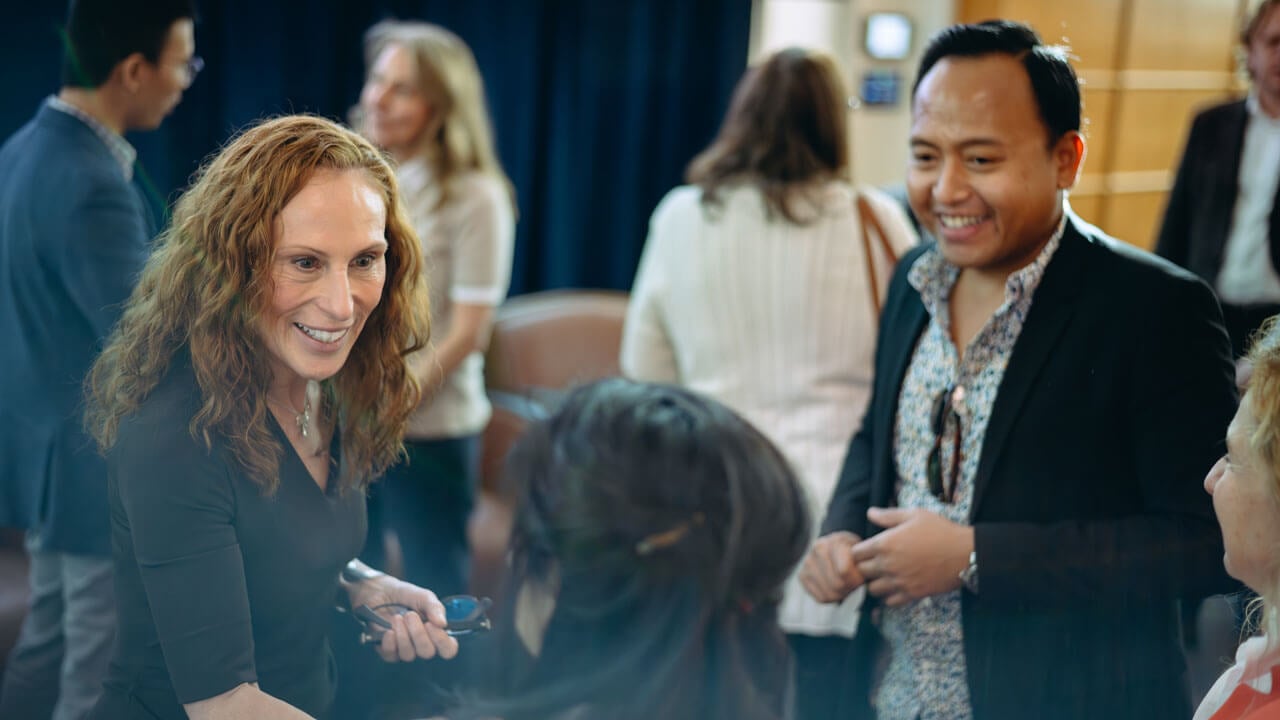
{"type": "Point", "coordinates": [957, 221]}
{"type": "Point", "coordinates": [321, 335]}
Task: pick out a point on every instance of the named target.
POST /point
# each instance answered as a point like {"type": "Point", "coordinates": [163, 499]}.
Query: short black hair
{"type": "Point", "coordinates": [1053, 80]}
{"type": "Point", "coordinates": [101, 33]}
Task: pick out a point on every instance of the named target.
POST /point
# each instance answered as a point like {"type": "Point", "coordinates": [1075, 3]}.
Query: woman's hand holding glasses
{"type": "Point", "coordinates": [410, 621]}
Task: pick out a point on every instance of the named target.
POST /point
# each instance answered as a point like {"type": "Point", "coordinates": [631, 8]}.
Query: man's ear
{"type": "Point", "coordinates": [129, 71]}
{"type": "Point", "coordinates": [1068, 155]}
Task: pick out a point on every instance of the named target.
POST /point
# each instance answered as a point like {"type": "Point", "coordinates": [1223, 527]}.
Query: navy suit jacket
{"type": "Point", "coordinates": [1089, 514]}
{"type": "Point", "coordinates": [73, 236]}
{"type": "Point", "coordinates": [1198, 216]}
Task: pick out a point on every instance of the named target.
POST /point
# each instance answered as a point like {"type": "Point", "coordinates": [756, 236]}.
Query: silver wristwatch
{"type": "Point", "coordinates": [969, 575]}
{"type": "Point", "coordinates": [354, 573]}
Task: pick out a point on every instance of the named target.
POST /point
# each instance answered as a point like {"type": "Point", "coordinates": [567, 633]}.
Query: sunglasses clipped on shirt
{"type": "Point", "coordinates": [943, 484]}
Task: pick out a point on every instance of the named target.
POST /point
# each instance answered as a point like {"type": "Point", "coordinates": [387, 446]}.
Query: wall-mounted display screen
{"type": "Point", "coordinates": [881, 87]}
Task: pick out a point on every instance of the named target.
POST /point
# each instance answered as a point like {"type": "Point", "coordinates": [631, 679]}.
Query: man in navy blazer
{"type": "Point", "coordinates": [1222, 221]}
{"type": "Point", "coordinates": [1023, 499]}
{"type": "Point", "coordinates": [74, 232]}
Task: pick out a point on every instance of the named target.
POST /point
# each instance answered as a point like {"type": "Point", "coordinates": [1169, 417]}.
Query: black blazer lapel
{"type": "Point", "coordinates": [1226, 184]}
{"type": "Point", "coordinates": [1273, 230]}
{"type": "Point", "coordinates": [1051, 308]}
{"type": "Point", "coordinates": [901, 330]}
{"type": "Point", "coordinates": [1273, 225]}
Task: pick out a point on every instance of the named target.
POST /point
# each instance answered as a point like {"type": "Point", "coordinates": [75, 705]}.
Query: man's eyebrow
{"type": "Point", "coordinates": [964, 144]}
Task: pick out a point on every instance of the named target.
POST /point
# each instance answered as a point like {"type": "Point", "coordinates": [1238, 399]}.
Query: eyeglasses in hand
{"type": "Point", "coordinates": [464, 615]}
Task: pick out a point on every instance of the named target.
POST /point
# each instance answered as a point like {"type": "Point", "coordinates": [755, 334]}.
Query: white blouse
{"type": "Point", "coordinates": [467, 248]}
{"type": "Point", "coordinates": [776, 321]}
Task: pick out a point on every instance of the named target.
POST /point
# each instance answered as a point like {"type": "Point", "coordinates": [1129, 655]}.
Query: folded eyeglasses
{"type": "Point", "coordinates": [464, 614]}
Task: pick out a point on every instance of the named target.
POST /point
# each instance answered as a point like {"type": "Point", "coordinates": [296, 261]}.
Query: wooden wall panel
{"type": "Point", "coordinates": [1088, 207]}
{"type": "Point", "coordinates": [1152, 127]}
{"type": "Point", "coordinates": [1134, 217]}
{"type": "Point", "coordinates": [972, 11]}
{"type": "Point", "coordinates": [1088, 196]}
{"type": "Point", "coordinates": [1182, 35]}
{"type": "Point", "coordinates": [1088, 26]}
{"type": "Point", "coordinates": [1097, 129]}
{"type": "Point", "coordinates": [1147, 65]}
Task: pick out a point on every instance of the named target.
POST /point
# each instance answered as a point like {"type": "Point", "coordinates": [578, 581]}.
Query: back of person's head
{"type": "Point", "coordinates": [662, 526]}
{"type": "Point", "coordinates": [209, 281]}
{"type": "Point", "coordinates": [1053, 81]}
{"type": "Point", "coordinates": [459, 134]}
{"type": "Point", "coordinates": [785, 129]}
{"type": "Point", "coordinates": [101, 33]}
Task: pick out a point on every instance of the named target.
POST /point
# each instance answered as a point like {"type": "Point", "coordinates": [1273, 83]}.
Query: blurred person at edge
{"type": "Point", "coordinates": [754, 288]}
{"type": "Point", "coordinates": [256, 383]}
{"type": "Point", "coordinates": [423, 102]}
{"type": "Point", "coordinates": [1022, 501]}
{"type": "Point", "coordinates": [1245, 485]}
{"type": "Point", "coordinates": [654, 529]}
{"type": "Point", "coordinates": [1222, 221]}
{"type": "Point", "coordinates": [74, 229]}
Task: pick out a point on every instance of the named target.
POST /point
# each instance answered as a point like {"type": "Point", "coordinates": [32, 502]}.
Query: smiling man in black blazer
{"type": "Point", "coordinates": [1023, 500]}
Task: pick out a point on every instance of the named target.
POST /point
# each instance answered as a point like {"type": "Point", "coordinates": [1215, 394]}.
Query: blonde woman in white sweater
{"type": "Point", "coordinates": [423, 102]}
{"type": "Point", "coordinates": [755, 289]}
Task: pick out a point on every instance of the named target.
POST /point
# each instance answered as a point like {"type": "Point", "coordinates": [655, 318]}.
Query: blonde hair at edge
{"type": "Point", "coordinates": [208, 283]}
{"type": "Point", "coordinates": [458, 136]}
{"type": "Point", "coordinates": [1264, 397]}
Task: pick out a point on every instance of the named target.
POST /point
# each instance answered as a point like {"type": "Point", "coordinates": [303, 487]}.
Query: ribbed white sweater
{"type": "Point", "coordinates": [773, 319]}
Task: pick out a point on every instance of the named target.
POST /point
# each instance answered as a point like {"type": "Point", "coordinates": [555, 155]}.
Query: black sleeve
{"type": "Point", "coordinates": [180, 506]}
{"type": "Point", "coordinates": [1174, 239]}
{"type": "Point", "coordinates": [851, 498]}
{"type": "Point", "coordinates": [1183, 397]}
{"type": "Point", "coordinates": [848, 507]}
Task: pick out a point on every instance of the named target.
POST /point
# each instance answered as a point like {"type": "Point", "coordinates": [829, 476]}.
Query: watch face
{"type": "Point", "coordinates": [969, 576]}
{"type": "Point", "coordinates": [354, 575]}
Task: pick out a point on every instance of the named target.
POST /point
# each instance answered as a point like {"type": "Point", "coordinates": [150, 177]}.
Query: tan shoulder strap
{"type": "Point", "coordinates": [871, 226]}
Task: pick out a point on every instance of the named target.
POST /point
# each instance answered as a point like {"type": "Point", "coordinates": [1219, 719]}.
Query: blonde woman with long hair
{"type": "Point", "coordinates": [255, 384]}
{"type": "Point", "coordinates": [423, 103]}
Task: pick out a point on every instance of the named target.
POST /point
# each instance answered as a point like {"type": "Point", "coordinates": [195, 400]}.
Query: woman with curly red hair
{"type": "Point", "coordinates": [256, 383]}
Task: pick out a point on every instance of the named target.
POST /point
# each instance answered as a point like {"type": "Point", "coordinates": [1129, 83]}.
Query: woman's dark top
{"type": "Point", "coordinates": [216, 584]}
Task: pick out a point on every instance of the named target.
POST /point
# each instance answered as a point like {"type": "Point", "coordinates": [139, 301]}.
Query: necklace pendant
{"type": "Point", "coordinates": [306, 424]}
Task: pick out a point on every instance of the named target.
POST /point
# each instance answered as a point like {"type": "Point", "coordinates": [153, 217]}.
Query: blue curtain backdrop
{"type": "Point", "coordinates": [597, 104]}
